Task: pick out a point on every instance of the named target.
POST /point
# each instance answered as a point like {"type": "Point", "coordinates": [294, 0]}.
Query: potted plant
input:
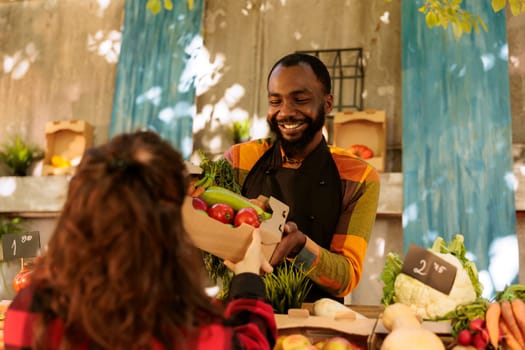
{"type": "Point", "coordinates": [18, 156]}
{"type": "Point", "coordinates": [240, 130]}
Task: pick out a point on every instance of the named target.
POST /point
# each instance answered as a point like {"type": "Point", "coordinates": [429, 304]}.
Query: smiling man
{"type": "Point", "coordinates": [332, 194]}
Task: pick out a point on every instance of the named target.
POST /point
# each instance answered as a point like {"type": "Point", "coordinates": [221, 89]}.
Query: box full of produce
{"type": "Point", "coordinates": [362, 133]}
{"type": "Point", "coordinates": [325, 325]}
{"type": "Point", "coordinates": [221, 222]}
{"type": "Point", "coordinates": [398, 327]}
{"type": "Point", "coordinates": [66, 142]}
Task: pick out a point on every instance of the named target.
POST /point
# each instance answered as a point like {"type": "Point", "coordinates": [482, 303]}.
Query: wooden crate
{"type": "Point", "coordinates": [67, 139]}
{"type": "Point", "coordinates": [362, 127]}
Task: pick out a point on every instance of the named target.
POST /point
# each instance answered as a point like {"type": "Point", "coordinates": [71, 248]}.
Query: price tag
{"type": "Point", "coordinates": [429, 269]}
{"type": "Point", "coordinates": [25, 245]}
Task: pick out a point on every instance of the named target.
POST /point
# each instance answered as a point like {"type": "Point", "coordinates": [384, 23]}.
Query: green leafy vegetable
{"type": "Point", "coordinates": [457, 248]}
{"type": "Point", "coordinates": [428, 303]}
{"type": "Point", "coordinates": [463, 314]}
{"type": "Point", "coordinates": [392, 268]}
{"type": "Point", "coordinates": [512, 292]}
{"type": "Point", "coordinates": [286, 287]}
{"type": "Point", "coordinates": [221, 173]}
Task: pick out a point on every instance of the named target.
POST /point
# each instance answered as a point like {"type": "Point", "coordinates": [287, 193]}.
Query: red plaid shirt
{"type": "Point", "coordinates": [249, 324]}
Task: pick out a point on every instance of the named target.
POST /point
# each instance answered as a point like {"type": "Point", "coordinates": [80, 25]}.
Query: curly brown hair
{"type": "Point", "coordinates": [120, 269]}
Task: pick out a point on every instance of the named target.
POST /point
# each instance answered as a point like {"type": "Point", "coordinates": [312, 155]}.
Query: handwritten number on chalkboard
{"type": "Point", "coordinates": [16, 245]}
{"type": "Point", "coordinates": [429, 268]}
{"type": "Point", "coordinates": [439, 268]}
{"type": "Point", "coordinates": [421, 270]}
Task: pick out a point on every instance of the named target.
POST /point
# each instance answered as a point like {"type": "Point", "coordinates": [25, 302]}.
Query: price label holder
{"type": "Point", "coordinates": [429, 269]}
{"type": "Point", "coordinates": [25, 245]}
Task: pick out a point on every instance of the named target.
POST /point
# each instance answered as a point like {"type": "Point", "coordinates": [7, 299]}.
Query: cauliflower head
{"type": "Point", "coordinates": [429, 303]}
{"type": "Point", "coordinates": [425, 301]}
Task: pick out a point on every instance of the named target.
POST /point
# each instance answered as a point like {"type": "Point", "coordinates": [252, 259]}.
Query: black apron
{"type": "Point", "coordinates": [313, 193]}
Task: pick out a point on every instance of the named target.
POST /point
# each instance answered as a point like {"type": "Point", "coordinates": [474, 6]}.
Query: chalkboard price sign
{"type": "Point", "coordinates": [429, 269]}
{"type": "Point", "coordinates": [25, 245]}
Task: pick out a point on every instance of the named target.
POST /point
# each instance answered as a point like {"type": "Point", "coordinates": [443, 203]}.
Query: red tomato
{"type": "Point", "coordinates": [199, 204]}
{"type": "Point", "coordinates": [361, 151]}
{"type": "Point", "coordinates": [221, 212]}
{"type": "Point", "coordinates": [22, 278]}
{"type": "Point", "coordinates": [248, 216]}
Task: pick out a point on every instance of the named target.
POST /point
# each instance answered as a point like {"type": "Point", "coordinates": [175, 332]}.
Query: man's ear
{"type": "Point", "coordinates": [328, 104]}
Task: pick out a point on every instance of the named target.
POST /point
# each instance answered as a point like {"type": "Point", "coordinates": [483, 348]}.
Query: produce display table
{"type": "Point", "coordinates": [367, 332]}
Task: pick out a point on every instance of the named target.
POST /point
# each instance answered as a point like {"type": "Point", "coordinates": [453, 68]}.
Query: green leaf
{"type": "Point", "coordinates": [515, 7]}
{"type": "Point", "coordinates": [431, 19]}
{"type": "Point", "coordinates": [286, 287]}
{"type": "Point", "coordinates": [11, 225]}
{"type": "Point", "coordinates": [498, 5]}
{"type": "Point", "coordinates": [168, 5]}
{"type": "Point", "coordinates": [466, 26]}
{"type": "Point", "coordinates": [154, 6]}
{"type": "Point", "coordinates": [18, 156]}
{"type": "Point", "coordinates": [392, 268]}
{"type": "Point", "coordinates": [482, 23]}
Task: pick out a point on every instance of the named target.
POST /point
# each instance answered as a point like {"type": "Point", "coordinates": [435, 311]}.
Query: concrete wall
{"type": "Point", "coordinates": [245, 42]}
{"type": "Point", "coordinates": [59, 62]}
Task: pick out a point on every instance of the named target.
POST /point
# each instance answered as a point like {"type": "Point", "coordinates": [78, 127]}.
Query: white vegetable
{"type": "Point", "coordinates": [406, 332]}
{"type": "Point", "coordinates": [412, 339]}
{"type": "Point", "coordinates": [330, 308]}
{"type": "Point", "coordinates": [428, 302]}
{"type": "Point", "coordinates": [398, 313]}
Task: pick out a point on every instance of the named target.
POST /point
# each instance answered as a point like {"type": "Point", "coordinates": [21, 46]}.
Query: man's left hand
{"type": "Point", "coordinates": [292, 242]}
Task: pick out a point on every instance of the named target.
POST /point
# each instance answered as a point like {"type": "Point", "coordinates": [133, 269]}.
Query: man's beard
{"type": "Point", "coordinates": [292, 148]}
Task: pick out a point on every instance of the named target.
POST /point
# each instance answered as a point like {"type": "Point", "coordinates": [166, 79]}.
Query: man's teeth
{"type": "Point", "coordinates": [290, 125]}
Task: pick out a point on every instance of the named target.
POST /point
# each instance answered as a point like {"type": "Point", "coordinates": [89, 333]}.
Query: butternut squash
{"type": "Point", "coordinates": [406, 332]}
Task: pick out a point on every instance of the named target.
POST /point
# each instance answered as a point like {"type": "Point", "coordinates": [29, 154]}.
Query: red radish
{"type": "Point", "coordinates": [199, 204]}
{"type": "Point", "coordinates": [485, 334]}
{"type": "Point", "coordinates": [464, 337]}
{"type": "Point", "coordinates": [477, 324]}
{"type": "Point", "coordinates": [479, 341]}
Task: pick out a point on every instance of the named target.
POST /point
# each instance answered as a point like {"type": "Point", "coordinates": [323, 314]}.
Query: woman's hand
{"type": "Point", "coordinates": [254, 260]}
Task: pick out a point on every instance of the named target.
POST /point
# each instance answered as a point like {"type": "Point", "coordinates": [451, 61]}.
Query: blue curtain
{"type": "Point", "coordinates": [155, 84]}
{"type": "Point", "coordinates": [457, 166]}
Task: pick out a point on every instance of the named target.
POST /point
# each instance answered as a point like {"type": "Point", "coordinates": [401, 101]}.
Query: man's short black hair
{"type": "Point", "coordinates": [319, 68]}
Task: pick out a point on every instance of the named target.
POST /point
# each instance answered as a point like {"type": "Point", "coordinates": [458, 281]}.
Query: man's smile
{"type": "Point", "coordinates": [291, 124]}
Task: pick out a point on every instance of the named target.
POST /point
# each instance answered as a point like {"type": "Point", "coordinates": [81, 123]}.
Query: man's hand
{"type": "Point", "coordinates": [291, 243]}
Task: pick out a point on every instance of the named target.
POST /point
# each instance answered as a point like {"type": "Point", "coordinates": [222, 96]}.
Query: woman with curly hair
{"type": "Point", "coordinates": [120, 272]}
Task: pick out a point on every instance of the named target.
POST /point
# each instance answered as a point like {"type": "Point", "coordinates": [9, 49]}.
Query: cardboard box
{"type": "Point", "coordinates": [228, 242]}
{"type": "Point", "coordinates": [66, 141]}
{"type": "Point", "coordinates": [368, 332]}
{"type": "Point", "coordinates": [362, 127]}
{"type": "Point", "coordinates": [318, 328]}
{"type": "Point", "coordinates": [441, 329]}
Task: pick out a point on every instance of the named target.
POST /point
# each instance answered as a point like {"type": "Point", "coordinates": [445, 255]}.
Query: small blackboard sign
{"type": "Point", "coordinates": [429, 269]}
{"type": "Point", "coordinates": [20, 245]}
